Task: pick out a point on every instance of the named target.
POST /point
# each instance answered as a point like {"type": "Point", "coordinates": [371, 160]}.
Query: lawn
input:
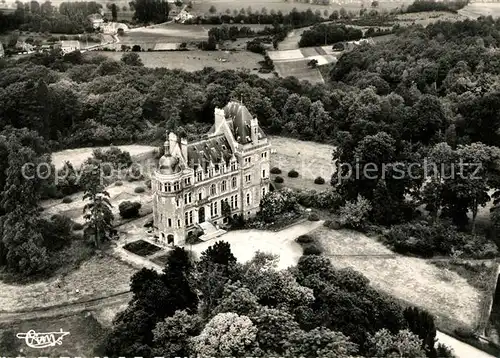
{"type": "Point", "coordinates": [100, 276]}
{"type": "Point", "coordinates": [476, 9]}
{"type": "Point", "coordinates": [141, 248]}
{"type": "Point", "coordinates": [298, 69]}
{"type": "Point", "coordinates": [310, 159]}
{"type": "Point", "coordinates": [85, 335]}
{"type": "Point", "coordinates": [441, 291]}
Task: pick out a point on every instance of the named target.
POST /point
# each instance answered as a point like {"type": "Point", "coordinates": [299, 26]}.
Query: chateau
{"type": "Point", "coordinates": [193, 180]}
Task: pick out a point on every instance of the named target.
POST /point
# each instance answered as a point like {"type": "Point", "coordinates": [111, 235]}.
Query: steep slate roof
{"type": "Point", "coordinates": [240, 118]}
{"type": "Point", "coordinates": [213, 149]}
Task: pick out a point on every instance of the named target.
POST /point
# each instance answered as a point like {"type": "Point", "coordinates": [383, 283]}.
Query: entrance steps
{"type": "Point", "coordinates": [210, 231]}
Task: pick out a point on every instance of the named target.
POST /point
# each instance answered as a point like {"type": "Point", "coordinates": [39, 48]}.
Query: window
{"type": "Point", "coordinates": [263, 173]}
{"type": "Point", "coordinates": [199, 176]}
{"type": "Point", "coordinates": [233, 166]}
{"type": "Point", "coordinates": [210, 173]}
{"type": "Point", "coordinates": [248, 160]}
{"type": "Point", "coordinates": [185, 199]}
{"type": "Point", "coordinates": [236, 201]}
{"type": "Point", "coordinates": [161, 217]}
{"type": "Point", "coordinates": [186, 218]}
{"type": "Point", "coordinates": [176, 186]}
{"type": "Point", "coordinates": [211, 209]}
{"type": "Point", "coordinates": [215, 208]}
{"type": "Point", "coordinates": [177, 202]}
{"type": "Point", "coordinates": [200, 195]}
{"type": "Point", "coordinates": [248, 198]}
{"type": "Point", "coordinates": [213, 189]}
{"type": "Point", "coordinates": [263, 192]}
{"type": "Point", "coordinates": [168, 187]}
{"type": "Point", "coordinates": [234, 182]}
{"type": "Point", "coordinates": [178, 223]}
{"type": "Point", "coordinates": [263, 155]}
{"type": "Point", "coordinates": [169, 222]}
{"type": "Point", "coordinates": [223, 186]}
{"type": "Point", "coordinates": [190, 217]}
{"type": "Point", "coordinates": [248, 178]}
{"type": "Point", "coordinates": [187, 181]}
{"type": "Point", "coordinates": [189, 198]}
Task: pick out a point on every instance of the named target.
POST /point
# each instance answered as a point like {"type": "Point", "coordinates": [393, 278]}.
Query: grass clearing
{"type": "Point", "coordinates": [197, 60]}
{"type": "Point", "coordinates": [141, 248]}
{"type": "Point", "coordinates": [298, 69]}
{"type": "Point", "coordinates": [85, 335]}
{"type": "Point", "coordinates": [476, 9]}
{"type": "Point", "coordinates": [413, 280]}
{"type": "Point", "coordinates": [310, 159]}
{"type": "Point", "coordinates": [100, 276]}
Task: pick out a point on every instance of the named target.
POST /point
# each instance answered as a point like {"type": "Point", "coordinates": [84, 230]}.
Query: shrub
{"type": "Point", "coordinates": [77, 226]}
{"type": "Point", "coordinates": [293, 173]}
{"type": "Point", "coordinates": [129, 209]}
{"type": "Point", "coordinates": [319, 180]}
{"type": "Point", "coordinates": [115, 156]}
{"type": "Point", "coordinates": [139, 190]}
{"type": "Point", "coordinates": [148, 183]}
{"type": "Point", "coordinates": [275, 203]}
{"type": "Point", "coordinates": [312, 249]}
{"type": "Point", "coordinates": [304, 239]}
{"type": "Point", "coordinates": [67, 200]}
{"type": "Point", "coordinates": [118, 183]}
{"type": "Point", "coordinates": [279, 180]}
{"type": "Point", "coordinates": [313, 217]}
{"type": "Point", "coordinates": [328, 199]}
{"type": "Point", "coordinates": [275, 170]}
{"type": "Point", "coordinates": [333, 224]}
{"type": "Point", "coordinates": [355, 213]}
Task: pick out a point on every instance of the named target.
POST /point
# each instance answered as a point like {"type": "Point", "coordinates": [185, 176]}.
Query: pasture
{"type": "Point", "coordinates": [197, 60]}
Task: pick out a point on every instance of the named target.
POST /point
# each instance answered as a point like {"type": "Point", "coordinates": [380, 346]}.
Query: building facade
{"type": "Point", "coordinates": [194, 179]}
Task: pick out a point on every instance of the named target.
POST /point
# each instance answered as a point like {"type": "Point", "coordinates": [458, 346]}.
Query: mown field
{"type": "Point", "coordinates": [474, 10]}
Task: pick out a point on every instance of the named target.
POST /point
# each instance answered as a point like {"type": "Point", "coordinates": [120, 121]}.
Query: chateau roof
{"type": "Point", "coordinates": [209, 150]}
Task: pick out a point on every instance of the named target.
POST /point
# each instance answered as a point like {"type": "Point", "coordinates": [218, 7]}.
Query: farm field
{"type": "Point", "coordinates": [476, 9]}
{"type": "Point", "coordinates": [412, 280]}
{"type": "Point", "coordinates": [197, 60]}
{"type": "Point", "coordinates": [308, 158]}
{"type": "Point", "coordinates": [298, 69]}
{"type": "Point", "coordinates": [202, 6]}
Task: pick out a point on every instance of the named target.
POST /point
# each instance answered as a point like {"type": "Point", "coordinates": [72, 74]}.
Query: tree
{"type": "Point", "coordinates": [374, 4]}
{"type": "Point", "coordinates": [172, 335]}
{"type": "Point", "coordinates": [403, 344]}
{"type": "Point", "coordinates": [212, 10]}
{"type": "Point", "coordinates": [97, 212]}
{"type": "Point", "coordinates": [226, 335]}
{"type": "Point", "coordinates": [151, 11]}
{"type": "Point", "coordinates": [321, 342]}
{"type": "Point", "coordinates": [131, 59]}
{"type": "Point", "coordinates": [129, 209]}
{"type": "Point", "coordinates": [226, 210]}
{"type": "Point", "coordinates": [421, 323]}
{"type": "Point", "coordinates": [114, 12]}
{"type": "Point", "coordinates": [354, 213]}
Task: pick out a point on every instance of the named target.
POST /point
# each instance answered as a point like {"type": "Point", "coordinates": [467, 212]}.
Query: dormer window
{"type": "Point", "coordinates": [199, 176]}
{"type": "Point", "coordinates": [210, 173]}
{"type": "Point", "coordinates": [233, 166]}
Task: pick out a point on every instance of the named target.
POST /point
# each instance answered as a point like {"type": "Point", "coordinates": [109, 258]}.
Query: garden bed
{"type": "Point", "coordinates": [141, 248]}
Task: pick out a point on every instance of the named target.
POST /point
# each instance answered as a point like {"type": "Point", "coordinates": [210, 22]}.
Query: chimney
{"type": "Point", "coordinates": [172, 140]}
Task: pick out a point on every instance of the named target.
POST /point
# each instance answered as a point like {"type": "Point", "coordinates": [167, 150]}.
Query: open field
{"type": "Point", "coordinates": [416, 281]}
{"type": "Point", "coordinates": [298, 69]}
{"type": "Point", "coordinates": [100, 276]}
{"type": "Point", "coordinates": [85, 334]}
{"type": "Point", "coordinates": [202, 6]}
{"type": "Point", "coordinates": [476, 9]}
{"type": "Point", "coordinates": [310, 159]}
{"type": "Point", "coordinates": [197, 60]}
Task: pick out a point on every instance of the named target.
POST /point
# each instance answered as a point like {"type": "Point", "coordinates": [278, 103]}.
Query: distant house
{"type": "Point", "coordinates": [96, 20]}
{"type": "Point", "coordinates": [69, 46]}
{"type": "Point", "coordinates": [24, 47]}
{"type": "Point", "coordinates": [2, 52]}
{"type": "Point", "coordinates": [183, 16]}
